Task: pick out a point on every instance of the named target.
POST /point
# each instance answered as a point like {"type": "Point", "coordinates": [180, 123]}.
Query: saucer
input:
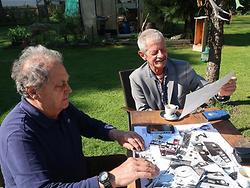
{"type": "Point", "coordinates": [169, 118]}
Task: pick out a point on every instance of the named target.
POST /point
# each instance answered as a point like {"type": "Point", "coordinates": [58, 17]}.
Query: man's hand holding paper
{"type": "Point", "coordinates": [228, 88]}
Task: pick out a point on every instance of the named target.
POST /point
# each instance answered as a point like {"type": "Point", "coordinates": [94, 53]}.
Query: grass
{"type": "Point", "coordinates": [96, 86]}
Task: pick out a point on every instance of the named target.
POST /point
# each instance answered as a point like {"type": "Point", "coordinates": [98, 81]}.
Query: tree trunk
{"type": "Point", "coordinates": [43, 13]}
{"type": "Point", "coordinates": [215, 45]}
{"type": "Point", "coordinates": [46, 9]}
{"type": "Point", "coordinates": [1, 10]}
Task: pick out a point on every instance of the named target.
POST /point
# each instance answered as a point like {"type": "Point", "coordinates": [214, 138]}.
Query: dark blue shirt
{"type": "Point", "coordinates": [36, 151]}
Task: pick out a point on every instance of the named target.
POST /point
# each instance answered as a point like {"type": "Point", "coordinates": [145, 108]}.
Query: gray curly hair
{"type": "Point", "coordinates": [148, 35]}
{"type": "Point", "coordinates": [31, 67]}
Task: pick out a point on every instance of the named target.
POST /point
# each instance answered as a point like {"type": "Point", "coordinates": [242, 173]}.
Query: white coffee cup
{"type": "Point", "coordinates": [244, 176]}
{"type": "Point", "coordinates": [170, 110]}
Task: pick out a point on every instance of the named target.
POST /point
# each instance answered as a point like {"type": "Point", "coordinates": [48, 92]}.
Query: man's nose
{"type": "Point", "coordinates": [68, 89]}
{"type": "Point", "coordinates": [161, 53]}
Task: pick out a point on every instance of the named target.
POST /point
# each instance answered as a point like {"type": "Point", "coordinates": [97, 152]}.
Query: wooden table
{"type": "Point", "coordinates": [225, 127]}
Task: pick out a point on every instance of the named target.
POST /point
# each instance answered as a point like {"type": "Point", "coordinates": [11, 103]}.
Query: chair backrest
{"type": "Point", "coordinates": [124, 78]}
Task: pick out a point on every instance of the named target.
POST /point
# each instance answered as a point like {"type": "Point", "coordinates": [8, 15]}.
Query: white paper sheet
{"type": "Point", "coordinates": [186, 167]}
{"type": "Point", "coordinates": [201, 96]}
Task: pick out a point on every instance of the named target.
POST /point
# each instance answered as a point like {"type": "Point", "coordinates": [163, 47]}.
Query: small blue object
{"type": "Point", "coordinates": [125, 27]}
{"type": "Point", "coordinates": [216, 115]}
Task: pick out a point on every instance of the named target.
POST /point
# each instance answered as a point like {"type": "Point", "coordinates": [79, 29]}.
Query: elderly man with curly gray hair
{"type": "Point", "coordinates": [40, 139]}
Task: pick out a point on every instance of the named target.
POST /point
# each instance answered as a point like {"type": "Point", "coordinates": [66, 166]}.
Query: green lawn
{"type": "Point", "coordinates": [96, 86]}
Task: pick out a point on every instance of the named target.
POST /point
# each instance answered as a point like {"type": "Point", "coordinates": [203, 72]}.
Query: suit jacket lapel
{"type": "Point", "coordinates": [151, 82]}
{"type": "Point", "coordinates": [171, 77]}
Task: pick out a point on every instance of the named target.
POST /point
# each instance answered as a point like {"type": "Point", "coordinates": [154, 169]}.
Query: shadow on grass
{"type": "Point", "coordinates": [238, 102]}
{"type": "Point", "coordinates": [237, 39]}
{"type": "Point", "coordinates": [8, 94]}
{"type": "Point", "coordinates": [244, 129]}
{"type": "Point", "coordinates": [243, 20]}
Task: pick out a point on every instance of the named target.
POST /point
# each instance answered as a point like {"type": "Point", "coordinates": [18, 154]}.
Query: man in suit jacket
{"type": "Point", "coordinates": [161, 79]}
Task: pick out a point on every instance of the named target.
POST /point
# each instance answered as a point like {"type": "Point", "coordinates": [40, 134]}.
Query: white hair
{"type": "Point", "coordinates": [149, 35]}
{"type": "Point", "coordinates": [30, 69]}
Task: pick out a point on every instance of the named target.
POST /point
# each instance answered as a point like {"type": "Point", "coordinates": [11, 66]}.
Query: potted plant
{"type": "Point", "coordinates": [19, 36]}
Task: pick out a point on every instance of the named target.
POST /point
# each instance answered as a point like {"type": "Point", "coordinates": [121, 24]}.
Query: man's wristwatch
{"type": "Point", "coordinates": [103, 178]}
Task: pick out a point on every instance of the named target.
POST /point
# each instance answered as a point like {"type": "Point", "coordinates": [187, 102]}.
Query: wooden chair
{"type": "Point", "coordinates": [124, 78]}
{"type": "Point", "coordinates": [125, 83]}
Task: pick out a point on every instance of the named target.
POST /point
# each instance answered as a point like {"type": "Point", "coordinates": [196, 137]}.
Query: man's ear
{"type": "Point", "coordinates": [142, 55]}
{"type": "Point", "coordinates": [31, 92]}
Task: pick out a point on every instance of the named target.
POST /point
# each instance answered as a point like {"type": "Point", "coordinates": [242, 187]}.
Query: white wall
{"type": "Point", "coordinates": [18, 3]}
{"type": "Point", "coordinates": [25, 2]}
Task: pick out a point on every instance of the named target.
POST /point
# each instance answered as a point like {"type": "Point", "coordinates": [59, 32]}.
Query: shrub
{"type": "Point", "coordinates": [18, 35]}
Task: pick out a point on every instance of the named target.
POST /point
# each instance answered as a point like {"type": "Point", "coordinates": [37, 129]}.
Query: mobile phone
{"type": "Point", "coordinates": [160, 129]}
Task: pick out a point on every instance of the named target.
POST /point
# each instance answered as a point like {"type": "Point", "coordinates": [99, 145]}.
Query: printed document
{"type": "Point", "coordinates": [201, 96]}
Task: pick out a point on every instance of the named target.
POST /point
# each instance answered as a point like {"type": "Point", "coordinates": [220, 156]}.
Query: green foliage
{"type": "Point", "coordinates": [168, 14]}
{"type": "Point", "coordinates": [154, 9]}
{"type": "Point", "coordinates": [57, 14]}
{"type": "Point", "coordinates": [16, 15]}
{"type": "Point", "coordinates": [241, 10]}
{"type": "Point", "coordinates": [18, 34]}
{"type": "Point", "coordinates": [71, 26]}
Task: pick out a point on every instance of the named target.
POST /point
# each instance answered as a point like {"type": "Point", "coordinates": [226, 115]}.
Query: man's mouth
{"type": "Point", "coordinates": [66, 99]}
{"type": "Point", "coordinates": [161, 62]}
